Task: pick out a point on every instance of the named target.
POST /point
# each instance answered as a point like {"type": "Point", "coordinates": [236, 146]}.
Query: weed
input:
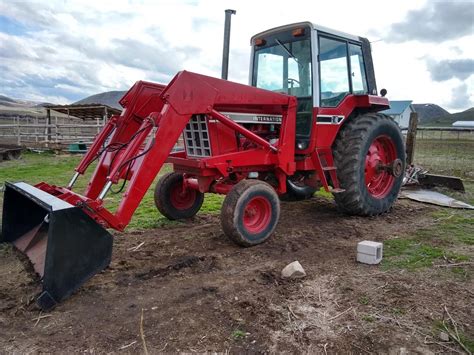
{"type": "Point", "coordinates": [368, 318]}
{"type": "Point", "coordinates": [364, 300]}
{"type": "Point", "coordinates": [324, 194]}
{"type": "Point", "coordinates": [238, 334]}
{"type": "Point", "coordinates": [398, 311]}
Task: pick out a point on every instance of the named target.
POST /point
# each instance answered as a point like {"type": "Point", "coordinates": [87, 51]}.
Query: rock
{"type": "Point", "coordinates": [293, 270]}
{"type": "Point", "coordinates": [443, 336]}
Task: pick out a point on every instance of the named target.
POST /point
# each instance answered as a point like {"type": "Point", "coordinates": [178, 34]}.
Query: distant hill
{"type": "Point", "coordinates": [19, 108]}
{"type": "Point", "coordinates": [109, 98]}
{"type": "Point", "coordinates": [9, 102]}
{"type": "Point", "coordinates": [427, 112]}
{"type": "Point", "coordinates": [449, 119]}
{"type": "Point", "coordinates": [434, 115]}
{"type": "Point", "coordinates": [4, 100]}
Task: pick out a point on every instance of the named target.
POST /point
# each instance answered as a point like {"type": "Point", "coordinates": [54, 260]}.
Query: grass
{"type": "Point", "coordinates": [454, 333]}
{"type": "Point", "coordinates": [58, 169]}
{"type": "Point", "coordinates": [364, 300]}
{"type": "Point", "coordinates": [453, 231]}
{"type": "Point", "coordinates": [447, 156]}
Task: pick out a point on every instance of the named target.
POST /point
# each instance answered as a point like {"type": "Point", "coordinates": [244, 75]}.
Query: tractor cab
{"type": "Point", "coordinates": [317, 65]}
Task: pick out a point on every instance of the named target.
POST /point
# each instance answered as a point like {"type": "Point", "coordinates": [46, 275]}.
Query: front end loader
{"type": "Point", "coordinates": [308, 119]}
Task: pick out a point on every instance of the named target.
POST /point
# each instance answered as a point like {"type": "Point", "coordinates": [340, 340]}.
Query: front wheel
{"type": "Point", "coordinates": [173, 200]}
{"type": "Point", "coordinates": [250, 212]}
{"type": "Point", "coordinates": [370, 158]}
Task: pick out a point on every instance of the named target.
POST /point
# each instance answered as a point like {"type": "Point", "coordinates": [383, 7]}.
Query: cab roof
{"type": "Point", "coordinates": [313, 26]}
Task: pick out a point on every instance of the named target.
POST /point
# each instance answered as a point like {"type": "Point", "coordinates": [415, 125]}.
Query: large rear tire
{"type": "Point", "coordinates": [173, 201]}
{"type": "Point", "coordinates": [370, 158]}
{"type": "Point", "coordinates": [250, 212]}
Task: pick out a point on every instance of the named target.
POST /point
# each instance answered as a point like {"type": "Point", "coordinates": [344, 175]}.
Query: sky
{"type": "Point", "coordinates": [60, 51]}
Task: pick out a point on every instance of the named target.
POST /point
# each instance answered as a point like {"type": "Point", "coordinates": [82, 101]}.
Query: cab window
{"type": "Point", "coordinates": [334, 73]}
{"type": "Point", "coordinates": [359, 81]}
{"type": "Point", "coordinates": [284, 66]}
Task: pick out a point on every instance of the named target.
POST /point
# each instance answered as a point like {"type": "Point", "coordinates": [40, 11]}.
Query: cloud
{"type": "Point", "coordinates": [450, 68]}
{"type": "Point", "coordinates": [460, 97]}
{"type": "Point", "coordinates": [73, 52]}
{"type": "Point", "coordinates": [435, 22]}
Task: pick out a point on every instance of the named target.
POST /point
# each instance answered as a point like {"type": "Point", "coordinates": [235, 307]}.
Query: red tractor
{"type": "Point", "coordinates": [308, 119]}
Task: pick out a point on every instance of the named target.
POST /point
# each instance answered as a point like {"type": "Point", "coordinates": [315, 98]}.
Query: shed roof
{"type": "Point", "coordinates": [397, 107]}
{"type": "Point", "coordinates": [463, 124]}
{"type": "Point", "coordinates": [86, 111]}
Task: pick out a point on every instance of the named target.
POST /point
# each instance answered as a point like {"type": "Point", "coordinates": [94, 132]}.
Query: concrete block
{"type": "Point", "coordinates": [369, 252]}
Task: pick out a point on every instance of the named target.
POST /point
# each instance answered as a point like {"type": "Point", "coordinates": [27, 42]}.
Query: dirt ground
{"type": "Point", "coordinates": [197, 292]}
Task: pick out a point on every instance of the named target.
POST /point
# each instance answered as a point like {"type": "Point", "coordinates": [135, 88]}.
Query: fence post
{"type": "Point", "coordinates": [56, 139]}
{"type": "Point", "coordinates": [48, 126]}
{"type": "Point", "coordinates": [36, 129]}
{"type": "Point", "coordinates": [411, 137]}
{"type": "Point", "coordinates": [18, 133]}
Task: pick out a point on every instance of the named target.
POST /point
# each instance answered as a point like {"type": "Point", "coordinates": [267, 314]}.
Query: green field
{"type": "Point", "coordinates": [447, 153]}
{"type": "Point", "coordinates": [58, 170]}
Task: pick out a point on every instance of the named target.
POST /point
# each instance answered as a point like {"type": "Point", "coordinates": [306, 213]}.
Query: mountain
{"type": "Point", "coordinates": [109, 98]}
{"type": "Point", "coordinates": [5, 101]}
{"type": "Point", "coordinates": [427, 112]}
{"type": "Point", "coordinates": [19, 108]}
{"type": "Point", "coordinates": [9, 102]}
{"type": "Point", "coordinates": [434, 115]}
{"type": "Point", "coordinates": [449, 119]}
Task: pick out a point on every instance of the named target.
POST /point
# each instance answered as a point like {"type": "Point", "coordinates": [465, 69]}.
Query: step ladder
{"type": "Point", "coordinates": [324, 162]}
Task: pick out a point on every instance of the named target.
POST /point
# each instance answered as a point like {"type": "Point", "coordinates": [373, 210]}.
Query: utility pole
{"type": "Point", "coordinates": [225, 53]}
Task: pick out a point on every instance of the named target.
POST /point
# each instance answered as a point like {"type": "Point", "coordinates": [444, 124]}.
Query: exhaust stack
{"type": "Point", "coordinates": [225, 53]}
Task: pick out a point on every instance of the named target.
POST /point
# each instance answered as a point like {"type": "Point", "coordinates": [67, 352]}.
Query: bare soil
{"type": "Point", "coordinates": [197, 292]}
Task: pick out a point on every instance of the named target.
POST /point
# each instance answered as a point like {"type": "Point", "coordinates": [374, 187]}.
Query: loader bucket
{"type": "Point", "coordinates": [65, 246]}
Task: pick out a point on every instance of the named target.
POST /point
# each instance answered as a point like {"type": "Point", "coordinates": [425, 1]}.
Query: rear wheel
{"type": "Point", "coordinates": [370, 159]}
{"type": "Point", "coordinates": [250, 212]}
{"type": "Point", "coordinates": [175, 202]}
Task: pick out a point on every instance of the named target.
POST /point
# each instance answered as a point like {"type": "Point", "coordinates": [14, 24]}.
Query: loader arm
{"type": "Point", "coordinates": [163, 113]}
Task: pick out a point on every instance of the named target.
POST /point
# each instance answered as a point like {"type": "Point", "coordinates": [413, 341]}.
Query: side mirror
{"type": "Point", "coordinates": [383, 92]}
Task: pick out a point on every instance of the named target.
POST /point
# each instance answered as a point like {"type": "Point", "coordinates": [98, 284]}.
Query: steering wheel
{"type": "Point", "coordinates": [293, 81]}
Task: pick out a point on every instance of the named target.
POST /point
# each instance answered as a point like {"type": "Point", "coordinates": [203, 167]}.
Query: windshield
{"type": "Point", "coordinates": [284, 66]}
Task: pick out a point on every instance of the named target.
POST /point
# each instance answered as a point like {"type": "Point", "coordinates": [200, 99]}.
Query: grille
{"type": "Point", "coordinates": [196, 137]}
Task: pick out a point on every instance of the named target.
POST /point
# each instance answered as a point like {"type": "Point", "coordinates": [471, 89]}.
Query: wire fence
{"type": "Point", "coordinates": [446, 151]}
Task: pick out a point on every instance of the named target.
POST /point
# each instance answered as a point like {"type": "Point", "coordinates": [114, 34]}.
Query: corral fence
{"type": "Point", "coordinates": [443, 150]}
{"type": "Point", "coordinates": [38, 132]}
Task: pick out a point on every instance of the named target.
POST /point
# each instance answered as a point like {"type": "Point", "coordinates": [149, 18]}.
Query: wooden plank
{"type": "Point", "coordinates": [411, 137]}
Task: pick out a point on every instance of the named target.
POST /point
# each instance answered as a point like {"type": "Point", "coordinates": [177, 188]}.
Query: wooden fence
{"type": "Point", "coordinates": [36, 132]}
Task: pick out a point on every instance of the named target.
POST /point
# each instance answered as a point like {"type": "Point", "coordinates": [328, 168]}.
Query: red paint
{"type": "Point", "coordinates": [182, 198]}
{"type": "Point", "coordinates": [257, 215]}
{"type": "Point", "coordinates": [381, 152]}
{"type": "Point", "coordinates": [154, 118]}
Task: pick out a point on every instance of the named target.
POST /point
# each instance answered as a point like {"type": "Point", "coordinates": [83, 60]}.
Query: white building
{"type": "Point", "coordinates": [400, 112]}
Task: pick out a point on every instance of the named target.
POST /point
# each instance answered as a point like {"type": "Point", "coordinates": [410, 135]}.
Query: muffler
{"type": "Point", "coordinates": [64, 244]}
